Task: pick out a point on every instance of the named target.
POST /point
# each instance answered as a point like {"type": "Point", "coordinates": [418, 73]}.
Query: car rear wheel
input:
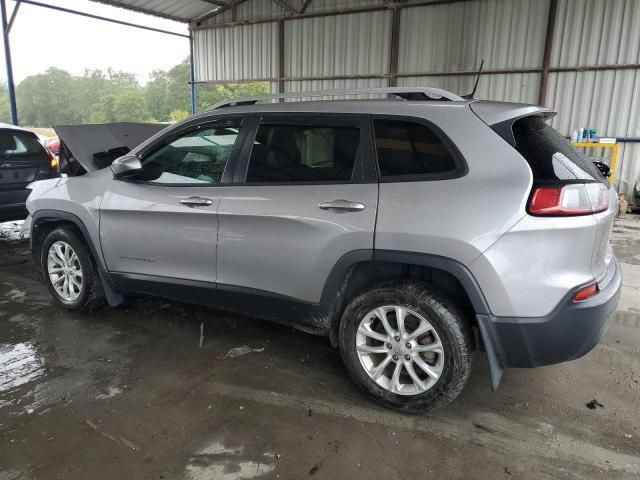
{"type": "Point", "coordinates": [406, 346]}
{"type": "Point", "coordinates": [70, 272]}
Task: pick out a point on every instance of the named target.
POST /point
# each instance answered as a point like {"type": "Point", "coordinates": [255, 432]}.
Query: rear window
{"type": "Point", "coordinates": [18, 144]}
{"type": "Point", "coordinates": [551, 157]}
{"type": "Point", "coordinates": [408, 149]}
{"type": "Point", "coordinates": [303, 153]}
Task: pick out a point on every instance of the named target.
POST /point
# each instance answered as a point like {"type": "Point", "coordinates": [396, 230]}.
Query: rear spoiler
{"type": "Point", "coordinates": [501, 116]}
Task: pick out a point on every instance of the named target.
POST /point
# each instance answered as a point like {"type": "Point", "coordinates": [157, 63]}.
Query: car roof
{"type": "Point", "coordinates": [363, 106]}
{"type": "Point", "coordinates": [8, 126]}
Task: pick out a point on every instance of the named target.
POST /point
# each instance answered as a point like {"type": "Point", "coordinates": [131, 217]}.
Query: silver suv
{"type": "Point", "coordinates": [410, 230]}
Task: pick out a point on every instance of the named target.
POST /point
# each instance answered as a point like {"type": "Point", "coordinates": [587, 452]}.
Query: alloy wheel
{"type": "Point", "coordinates": [64, 270]}
{"type": "Point", "coordinates": [400, 350]}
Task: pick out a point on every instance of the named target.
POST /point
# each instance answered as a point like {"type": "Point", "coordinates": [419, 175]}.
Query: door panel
{"type": "Point", "coordinates": [145, 229]}
{"type": "Point", "coordinates": [277, 239]}
{"type": "Point", "coordinates": [165, 223]}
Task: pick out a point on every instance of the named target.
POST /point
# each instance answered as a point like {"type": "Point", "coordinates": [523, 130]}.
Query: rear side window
{"type": "Point", "coordinates": [408, 149]}
{"type": "Point", "coordinates": [303, 153]}
{"type": "Point", "coordinates": [551, 157]}
{"type": "Point", "coordinates": [18, 144]}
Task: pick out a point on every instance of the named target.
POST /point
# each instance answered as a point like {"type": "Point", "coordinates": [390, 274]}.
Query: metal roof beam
{"type": "Point", "coordinates": [106, 19]}
{"type": "Point", "coordinates": [286, 6]}
{"type": "Point", "coordinates": [227, 6]}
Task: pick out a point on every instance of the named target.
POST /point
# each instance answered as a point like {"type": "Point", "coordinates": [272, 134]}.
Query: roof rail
{"type": "Point", "coordinates": [405, 93]}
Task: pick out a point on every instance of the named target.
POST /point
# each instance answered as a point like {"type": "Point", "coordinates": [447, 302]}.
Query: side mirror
{"type": "Point", "coordinates": [126, 166]}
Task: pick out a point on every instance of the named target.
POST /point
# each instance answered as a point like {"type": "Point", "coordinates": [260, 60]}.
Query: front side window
{"type": "Point", "coordinates": [198, 157]}
{"type": "Point", "coordinates": [410, 149]}
{"type": "Point", "coordinates": [303, 153]}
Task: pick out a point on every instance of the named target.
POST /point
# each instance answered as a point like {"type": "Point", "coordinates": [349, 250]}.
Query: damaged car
{"type": "Point", "coordinates": [23, 159]}
{"type": "Point", "coordinates": [410, 230]}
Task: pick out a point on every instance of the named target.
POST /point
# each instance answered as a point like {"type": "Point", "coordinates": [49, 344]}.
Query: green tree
{"type": "Point", "coordinates": [57, 97]}
{"type": "Point", "coordinates": [155, 95]}
{"type": "Point", "coordinates": [5, 115]}
{"type": "Point", "coordinates": [178, 115]}
{"type": "Point", "coordinates": [130, 107]}
{"type": "Point", "coordinates": [104, 111]}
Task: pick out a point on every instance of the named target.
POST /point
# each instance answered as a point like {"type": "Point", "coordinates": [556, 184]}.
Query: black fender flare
{"type": "Point", "coordinates": [337, 280]}
{"type": "Point", "coordinates": [42, 216]}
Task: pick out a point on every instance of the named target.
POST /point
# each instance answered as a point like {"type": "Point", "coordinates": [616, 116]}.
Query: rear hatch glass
{"type": "Point", "coordinates": [554, 161]}
{"type": "Point", "coordinates": [21, 158]}
{"type": "Point", "coordinates": [551, 158]}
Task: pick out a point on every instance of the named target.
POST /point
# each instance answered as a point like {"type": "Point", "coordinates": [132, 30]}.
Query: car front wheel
{"type": "Point", "coordinates": [70, 272]}
{"type": "Point", "coordinates": [406, 345]}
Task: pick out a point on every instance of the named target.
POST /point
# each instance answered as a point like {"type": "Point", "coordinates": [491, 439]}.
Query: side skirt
{"type": "Point", "coordinates": [289, 311]}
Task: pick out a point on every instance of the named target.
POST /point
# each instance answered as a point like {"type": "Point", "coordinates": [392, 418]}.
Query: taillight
{"type": "Point", "coordinates": [586, 292]}
{"type": "Point", "coordinates": [53, 160]}
{"type": "Point", "coordinates": [571, 199]}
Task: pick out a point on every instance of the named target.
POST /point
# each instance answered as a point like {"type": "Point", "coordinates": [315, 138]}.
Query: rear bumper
{"type": "Point", "coordinates": [572, 330]}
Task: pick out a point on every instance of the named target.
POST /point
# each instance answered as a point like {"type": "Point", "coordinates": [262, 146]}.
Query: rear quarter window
{"type": "Point", "coordinates": [409, 150]}
{"type": "Point", "coordinates": [551, 157]}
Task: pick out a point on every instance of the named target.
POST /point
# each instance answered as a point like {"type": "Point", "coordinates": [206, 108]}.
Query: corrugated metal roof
{"type": "Point", "coordinates": [180, 10]}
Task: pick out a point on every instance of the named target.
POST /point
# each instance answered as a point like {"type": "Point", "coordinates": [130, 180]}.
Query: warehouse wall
{"type": "Point", "coordinates": [450, 38]}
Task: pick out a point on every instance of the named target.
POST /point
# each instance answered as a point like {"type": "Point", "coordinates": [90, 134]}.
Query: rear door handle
{"type": "Point", "coordinates": [342, 205]}
{"type": "Point", "coordinates": [196, 201]}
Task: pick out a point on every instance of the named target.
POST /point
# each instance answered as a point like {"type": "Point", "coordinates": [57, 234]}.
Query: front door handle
{"type": "Point", "coordinates": [196, 201]}
{"type": "Point", "coordinates": [342, 205]}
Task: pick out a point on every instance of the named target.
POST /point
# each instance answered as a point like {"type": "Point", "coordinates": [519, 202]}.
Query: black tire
{"type": "Point", "coordinates": [91, 295]}
{"type": "Point", "coordinates": [447, 321]}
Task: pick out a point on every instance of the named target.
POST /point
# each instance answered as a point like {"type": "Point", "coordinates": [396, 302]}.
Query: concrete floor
{"type": "Point", "coordinates": [128, 393]}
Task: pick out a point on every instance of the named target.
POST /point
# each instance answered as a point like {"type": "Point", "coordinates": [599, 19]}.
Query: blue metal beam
{"type": "Point", "coordinates": [192, 76]}
{"type": "Point", "coordinates": [7, 59]}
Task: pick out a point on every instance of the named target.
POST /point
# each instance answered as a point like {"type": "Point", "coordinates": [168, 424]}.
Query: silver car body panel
{"type": "Point", "coordinates": [276, 239]}
{"type": "Point", "coordinates": [458, 218]}
{"type": "Point", "coordinates": [145, 230]}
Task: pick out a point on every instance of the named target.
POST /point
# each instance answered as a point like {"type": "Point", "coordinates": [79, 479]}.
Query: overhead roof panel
{"type": "Point", "coordinates": [180, 10]}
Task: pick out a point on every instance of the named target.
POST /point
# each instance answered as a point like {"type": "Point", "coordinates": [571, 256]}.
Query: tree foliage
{"type": "Point", "coordinates": [56, 97]}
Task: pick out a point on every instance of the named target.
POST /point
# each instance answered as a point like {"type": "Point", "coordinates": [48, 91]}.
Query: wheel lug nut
{"type": "Point", "coordinates": [397, 338]}
{"type": "Point", "coordinates": [389, 346]}
{"type": "Point", "coordinates": [407, 357]}
{"type": "Point", "coordinates": [408, 345]}
{"type": "Point", "coordinates": [395, 357]}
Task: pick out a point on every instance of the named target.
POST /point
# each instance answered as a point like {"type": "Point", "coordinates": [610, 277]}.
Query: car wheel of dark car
{"type": "Point", "coordinates": [70, 272]}
{"type": "Point", "coordinates": [407, 346]}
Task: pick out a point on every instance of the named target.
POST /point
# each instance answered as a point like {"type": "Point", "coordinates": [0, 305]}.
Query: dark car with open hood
{"type": "Point", "coordinates": [23, 159]}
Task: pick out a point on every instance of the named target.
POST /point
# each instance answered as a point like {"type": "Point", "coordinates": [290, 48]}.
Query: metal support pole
{"type": "Point", "coordinates": [7, 58]}
{"type": "Point", "coordinates": [192, 76]}
{"type": "Point", "coordinates": [394, 46]}
{"type": "Point", "coordinates": [546, 58]}
{"type": "Point", "coordinates": [281, 56]}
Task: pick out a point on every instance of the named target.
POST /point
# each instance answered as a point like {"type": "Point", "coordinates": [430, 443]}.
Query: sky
{"type": "Point", "coordinates": [41, 38]}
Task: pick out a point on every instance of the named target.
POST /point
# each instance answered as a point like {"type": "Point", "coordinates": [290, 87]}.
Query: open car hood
{"type": "Point", "coordinates": [95, 146]}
